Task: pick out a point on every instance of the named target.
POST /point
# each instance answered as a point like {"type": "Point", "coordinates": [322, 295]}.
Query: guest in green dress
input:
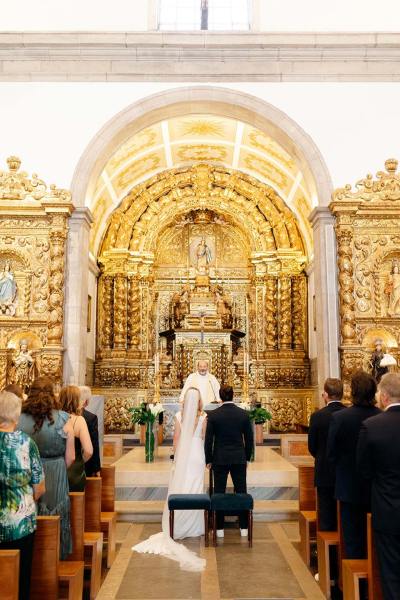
{"type": "Point", "coordinates": [52, 431]}
{"type": "Point", "coordinates": [70, 402]}
{"type": "Point", "coordinates": [21, 484]}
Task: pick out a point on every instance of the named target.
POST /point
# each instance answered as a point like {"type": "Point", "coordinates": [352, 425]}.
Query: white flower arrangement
{"type": "Point", "coordinates": [155, 409]}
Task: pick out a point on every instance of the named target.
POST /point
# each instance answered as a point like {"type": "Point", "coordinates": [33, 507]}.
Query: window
{"type": "Point", "coordinates": [214, 15]}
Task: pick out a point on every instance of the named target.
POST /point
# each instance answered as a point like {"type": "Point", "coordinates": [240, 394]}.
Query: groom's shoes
{"type": "Point", "coordinates": [220, 533]}
{"type": "Point", "coordinates": [244, 532]}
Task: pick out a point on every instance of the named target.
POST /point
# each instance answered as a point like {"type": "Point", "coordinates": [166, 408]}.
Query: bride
{"type": "Point", "coordinates": [187, 477]}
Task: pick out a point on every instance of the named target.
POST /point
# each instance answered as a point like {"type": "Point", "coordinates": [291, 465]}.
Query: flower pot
{"type": "Point", "coordinates": [149, 443]}
{"type": "Point", "coordinates": [142, 434]}
{"type": "Point", "coordinates": [259, 433]}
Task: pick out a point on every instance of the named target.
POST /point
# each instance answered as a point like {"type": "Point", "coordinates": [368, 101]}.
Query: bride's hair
{"type": "Point", "coordinates": [199, 407]}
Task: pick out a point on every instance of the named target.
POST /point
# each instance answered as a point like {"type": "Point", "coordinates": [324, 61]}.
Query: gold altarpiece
{"type": "Point", "coordinates": [212, 260]}
{"type": "Point", "coordinates": [33, 233]}
{"type": "Point", "coordinates": [368, 247]}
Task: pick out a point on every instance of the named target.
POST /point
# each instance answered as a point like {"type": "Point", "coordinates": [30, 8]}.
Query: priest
{"type": "Point", "coordinates": [206, 383]}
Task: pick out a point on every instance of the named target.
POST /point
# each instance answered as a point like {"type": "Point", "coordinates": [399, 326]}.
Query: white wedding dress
{"type": "Point", "coordinates": [187, 477]}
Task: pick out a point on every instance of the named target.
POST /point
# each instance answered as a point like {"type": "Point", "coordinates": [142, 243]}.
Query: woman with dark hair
{"type": "Point", "coordinates": [52, 431]}
{"type": "Point", "coordinates": [350, 488]}
{"type": "Point", "coordinates": [70, 402]}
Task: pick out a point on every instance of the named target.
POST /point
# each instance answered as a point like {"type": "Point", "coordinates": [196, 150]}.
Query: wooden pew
{"type": "Point", "coordinates": [47, 570]}
{"type": "Point", "coordinates": [108, 516]}
{"type": "Point", "coordinates": [307, 511]}
{"type": "Point", "coordinates": [325, 540]}
{"type": "Point", "coordinates": [374, 576]}
{"type": "Point", "coordinates": [355, 570]}
{"type": "Point", "coordinates": [93, 538]}
{"type": "Point", "coordinates": [9, 574]}
{"type": "Point", "coordinates": [67, 568]}
{"type": "Point", "coordinates": [46, 553]}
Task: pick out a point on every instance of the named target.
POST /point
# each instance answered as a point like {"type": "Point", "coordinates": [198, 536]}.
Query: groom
{"type": "Point", "coordinates": [228, 447]}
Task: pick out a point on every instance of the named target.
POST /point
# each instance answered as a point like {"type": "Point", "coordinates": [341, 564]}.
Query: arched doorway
{"type": "Point", "coordinates": [280, 156]}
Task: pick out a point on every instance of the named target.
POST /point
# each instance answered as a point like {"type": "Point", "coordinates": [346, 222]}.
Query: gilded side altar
{"type": "Point", "coordinates": [33, 233]}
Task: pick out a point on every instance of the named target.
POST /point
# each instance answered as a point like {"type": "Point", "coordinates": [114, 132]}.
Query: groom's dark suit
{"type": "Point", "coordinates": [228, 447]}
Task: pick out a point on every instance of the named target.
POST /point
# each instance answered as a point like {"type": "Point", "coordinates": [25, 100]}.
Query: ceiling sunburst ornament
{"type": "Point", "coordinates": [203, 128]}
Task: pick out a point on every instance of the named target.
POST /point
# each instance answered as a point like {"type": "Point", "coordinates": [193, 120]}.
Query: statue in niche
{"type": "Point", "coordinates": [224, 307]}
{"type": "Point", "coordinates": [8, 290]}
{"type": "Point", "coordinates": [392, 290]}
{"type": "Point", "coordinates": [378, 371]}
{"type": "Point", "coordinates": [181, 305]}
{"type": "Point", "coordinates": [23, 367]}
{"type": "Point", "coordinates": [203, 257]}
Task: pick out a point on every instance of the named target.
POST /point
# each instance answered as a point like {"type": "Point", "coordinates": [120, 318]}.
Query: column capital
{"type": "Point", "coordinates": [319, 214]}
{"type": "Point", "coordinates": [81, 215]}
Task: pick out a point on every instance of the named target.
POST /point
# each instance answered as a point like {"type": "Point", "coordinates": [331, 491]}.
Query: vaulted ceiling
{"type": "Point", "coordinates": [192, 139]}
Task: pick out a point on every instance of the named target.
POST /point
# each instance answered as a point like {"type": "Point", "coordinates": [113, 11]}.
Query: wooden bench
{"type": "Point", "coordinates": [9, 574]}
{"type": "Point", "coordinates": [355, 570]}
{"type": "Point", "coordinates": [307, 511]}
{"type": "Point", "coordinates": [93, 538]}
{"type": "Point", "coordinates": [108, 516]}
{"type": "Point", "coordinates": [325, 540]}
{"type": "Point", "coordinates": [47, 570]}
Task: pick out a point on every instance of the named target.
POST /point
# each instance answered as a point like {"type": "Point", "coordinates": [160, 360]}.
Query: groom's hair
{"type": "Point", "coordinates": [226, 393]}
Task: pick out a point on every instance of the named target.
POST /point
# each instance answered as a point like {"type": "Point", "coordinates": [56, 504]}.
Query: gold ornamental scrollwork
{"type": "Point", "coordinates": [368, 247]}
{"type": "Point", "coordinates": [33, 244]}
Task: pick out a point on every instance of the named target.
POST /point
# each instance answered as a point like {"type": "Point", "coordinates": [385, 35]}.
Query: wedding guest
{"type": "Point", "coordinates": [93, 465]}
{"type": "Point", "coordinates": [70, 402]}
{"type": "Point", "coordinates": [324, 472]}
{"type": "Point", "coordinates": [52, 432]}
{"type": "Point", "coordinates": [15, 389]}
{"type": "Point", "coordinates": [378, 459]}
{"type": "Point", "coordinates": [21, 484]}
{"type": "Point", "coordinates": [350, 488]}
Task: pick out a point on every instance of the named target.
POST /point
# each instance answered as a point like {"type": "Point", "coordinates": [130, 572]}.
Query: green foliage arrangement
{"type": "Point", "coordinates": [259, 415]}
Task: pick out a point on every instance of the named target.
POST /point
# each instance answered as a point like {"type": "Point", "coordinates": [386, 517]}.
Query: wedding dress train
{"type": "Point", "coordinates": [187, 477]}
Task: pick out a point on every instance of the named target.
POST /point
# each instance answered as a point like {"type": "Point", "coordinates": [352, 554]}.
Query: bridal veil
{"type": "Point", "coordinates": [161, 543]}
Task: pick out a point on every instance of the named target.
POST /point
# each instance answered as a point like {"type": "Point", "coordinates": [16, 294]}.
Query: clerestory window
{"type": "Point", "coordinates": [213, 15]}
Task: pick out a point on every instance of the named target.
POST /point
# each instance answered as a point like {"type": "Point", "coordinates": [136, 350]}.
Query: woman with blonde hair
{"type": "Point", "coordinates": [51, 430]}
{"type": "Point", "coordinates": [70, 402]}
{"type": "Point", "coordinates": [187, 477]}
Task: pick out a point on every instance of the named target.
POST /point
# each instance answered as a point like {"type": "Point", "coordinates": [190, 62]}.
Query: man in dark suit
{"type": "Point", "coordinates": [378, 459]}
{"type": "Point", "coordinates": [350, 488]}
{"type": "Point", "coordinates": [228, 448]}
{"type": "Point", "coordinates": [324, 472]}
{"type": "Point", "coordinates": [93, 465]}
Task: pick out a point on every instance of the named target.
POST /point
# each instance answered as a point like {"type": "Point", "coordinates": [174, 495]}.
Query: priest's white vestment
{"type": "Point", "coordinates": [207, 384]}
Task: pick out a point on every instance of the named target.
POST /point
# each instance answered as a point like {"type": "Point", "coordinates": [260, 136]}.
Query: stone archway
{"type": "Point", "coordinates": [229, 103]}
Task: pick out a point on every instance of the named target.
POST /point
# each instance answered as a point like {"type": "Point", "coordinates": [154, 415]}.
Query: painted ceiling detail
{"type": "Point", "coordinates": [198, 138]}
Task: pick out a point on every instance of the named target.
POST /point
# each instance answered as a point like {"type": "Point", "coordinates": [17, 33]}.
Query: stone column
{"type": "Point", "coordinates": [76, 297]}
{"type": "Point", "coordinates": [326, 293]}
{"type": "Point", "coordinates": [271, 313]}
{"type": "Point", "coordinates": [285, 313]}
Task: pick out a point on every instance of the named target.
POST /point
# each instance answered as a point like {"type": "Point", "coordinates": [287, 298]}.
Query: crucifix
{"type": "Point", "coordinates": [202, 327]}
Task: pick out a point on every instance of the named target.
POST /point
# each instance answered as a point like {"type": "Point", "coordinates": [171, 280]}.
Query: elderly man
{"type": "Point", "coordinates": [206, 383]}
{"type": "Point", "coordinates": [378, 459]}
{"type": "Point", "coordinates": [93, 465]}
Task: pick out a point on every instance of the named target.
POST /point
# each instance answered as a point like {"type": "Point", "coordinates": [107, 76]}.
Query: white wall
{"type": "Point", "coordinates": [356, 126]}
{"type": "Point", "coordinates": [138, 15]}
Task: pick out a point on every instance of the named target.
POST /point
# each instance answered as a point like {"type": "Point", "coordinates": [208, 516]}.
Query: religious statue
{"type": "Point", "coordinates": [224, 307]}
{"type": "Point", "coordinates": [8, 290]}
{"type": "Point", "coordinates": [23, 371]}
{"type": "Point", "coordinates": [378, 371]}
{"type": "Point", "coordinates": [181, 305]}
{"type": "Point", "coordinates": [392, 290]}
{"type": "Point", "coordinates": [203, 257]}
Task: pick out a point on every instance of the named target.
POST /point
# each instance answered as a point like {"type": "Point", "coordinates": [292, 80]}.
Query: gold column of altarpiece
{"type": "Point", "coordinates": [259, 265]}
{"type": "Point", "coordinates": [368, 247]}
{"type": "Point", "coordinates": [33, 232]}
